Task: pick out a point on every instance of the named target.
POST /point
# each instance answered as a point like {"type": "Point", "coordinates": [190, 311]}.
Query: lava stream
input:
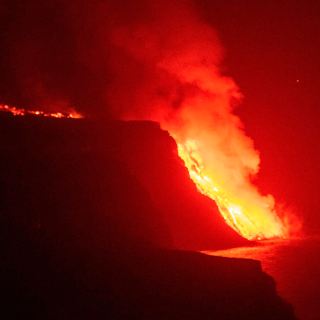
{"type": "Point", "coordinates": [251, 221]}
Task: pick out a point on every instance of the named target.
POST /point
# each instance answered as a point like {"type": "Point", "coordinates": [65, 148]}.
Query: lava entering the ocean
{"type": "Point", "coordinates": [254, 220]}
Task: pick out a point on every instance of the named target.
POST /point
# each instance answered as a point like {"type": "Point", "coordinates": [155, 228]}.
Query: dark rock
{"type": "Point", "coordinates": [90, 214]}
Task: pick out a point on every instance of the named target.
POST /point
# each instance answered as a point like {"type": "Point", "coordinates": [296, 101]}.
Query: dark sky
{"type": "Point", "coordinates": [53, 54]}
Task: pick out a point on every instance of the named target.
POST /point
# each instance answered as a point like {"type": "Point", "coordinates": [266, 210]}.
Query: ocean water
{"type": "Point", "coordinates": [295, 266]}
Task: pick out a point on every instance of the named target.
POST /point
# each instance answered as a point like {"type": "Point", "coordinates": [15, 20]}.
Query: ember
{"type": "Point", "coordinates": [22, 112]}
{"type": "Point", "coordinates": [254, 220]}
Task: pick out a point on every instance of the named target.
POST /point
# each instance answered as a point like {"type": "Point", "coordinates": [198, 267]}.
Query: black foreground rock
{"type": "Point", "coordinates": [91, 216]}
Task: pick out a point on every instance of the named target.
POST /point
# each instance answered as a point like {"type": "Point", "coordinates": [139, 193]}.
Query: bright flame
{"type": "Point", "coordinates": [22, 112]}
{"type": "Point", "coordinates": [254, 221]}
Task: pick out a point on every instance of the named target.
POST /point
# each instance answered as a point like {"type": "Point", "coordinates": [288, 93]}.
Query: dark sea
{"type": "Point", "coordinates": [295, 266]}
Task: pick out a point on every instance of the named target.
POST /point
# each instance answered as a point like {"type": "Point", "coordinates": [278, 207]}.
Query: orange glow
{"type": "Point", "coordinates": [253, 218]}
{"type": "Point", "coordinates": [22, 112]}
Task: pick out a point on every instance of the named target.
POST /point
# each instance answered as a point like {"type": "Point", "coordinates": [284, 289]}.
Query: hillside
{"type": "Point", "coordinates": [92, 215]}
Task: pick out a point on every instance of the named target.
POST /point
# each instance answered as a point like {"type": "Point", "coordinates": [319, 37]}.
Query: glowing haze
{"type": "Point", "coordinates": [158, 60]}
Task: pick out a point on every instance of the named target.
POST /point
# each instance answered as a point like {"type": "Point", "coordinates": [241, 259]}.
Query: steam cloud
{"type": "Point", "coordinates": [144, 60]}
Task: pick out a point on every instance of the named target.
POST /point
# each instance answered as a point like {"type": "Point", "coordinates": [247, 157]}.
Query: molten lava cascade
{"type": "Point", "coordinates": [254, 220]}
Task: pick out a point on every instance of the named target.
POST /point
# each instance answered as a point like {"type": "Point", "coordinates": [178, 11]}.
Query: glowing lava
{"type": "Point", "coordinates": [22, 112]}
{"type": "Point", "coordinates": [253, 220]}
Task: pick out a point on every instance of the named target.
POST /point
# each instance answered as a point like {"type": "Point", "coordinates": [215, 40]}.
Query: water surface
{"type": "Point", "coordinates": [295, 266]}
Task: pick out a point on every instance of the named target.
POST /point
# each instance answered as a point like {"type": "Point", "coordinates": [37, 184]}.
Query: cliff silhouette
{"type": "Point", "coordinates": [99, 220]}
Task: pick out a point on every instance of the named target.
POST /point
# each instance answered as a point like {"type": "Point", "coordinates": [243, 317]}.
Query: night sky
{"type": "Point", "coordinates": [53, 55]}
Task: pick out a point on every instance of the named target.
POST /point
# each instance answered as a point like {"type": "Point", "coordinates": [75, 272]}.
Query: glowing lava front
{"type": "Point", "coordinates": [22, 112]}
{"type": "Point", "coordinates": [252, 221]}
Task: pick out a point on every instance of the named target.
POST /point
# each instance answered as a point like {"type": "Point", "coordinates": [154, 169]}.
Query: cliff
{"type": "Point", "coordinates": [132, 163]}
{"type": "Point", "coordinates": [92, 214]}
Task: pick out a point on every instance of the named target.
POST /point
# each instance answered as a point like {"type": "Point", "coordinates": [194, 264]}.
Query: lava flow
{"type": "Point", "coordinates": [254, 220]}
{"type": "Point", "coordinates": [22, 112]}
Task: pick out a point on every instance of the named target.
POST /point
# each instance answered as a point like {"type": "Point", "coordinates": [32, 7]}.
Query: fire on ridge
{"type": "Point", "coordinates": [22, 112]}
{"type": "Point", "coordinates": [251, 220]}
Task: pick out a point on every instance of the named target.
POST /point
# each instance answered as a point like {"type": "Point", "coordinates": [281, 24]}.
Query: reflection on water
{"type": "Point", "coordinates": [295, 266]}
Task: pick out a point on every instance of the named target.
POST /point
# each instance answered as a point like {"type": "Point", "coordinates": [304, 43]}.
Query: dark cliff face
{"type": "Point", "coordinates": [90, 212]}
{"type": "Point", "coordinates": [55, 187]}
{"type": "Point", "coordinates": [127, 171]}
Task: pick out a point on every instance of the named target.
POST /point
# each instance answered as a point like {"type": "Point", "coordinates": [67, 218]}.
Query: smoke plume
{"type": "Point", "coordinates": [165, 66]}
{"type": "Point", "coordinates": [143, 60]}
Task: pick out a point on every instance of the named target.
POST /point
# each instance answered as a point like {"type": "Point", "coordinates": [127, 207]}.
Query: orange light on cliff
{"type": "Point", "coordinates": [250, 220]}
{"type": "Point", "coordinates": [22, 112]}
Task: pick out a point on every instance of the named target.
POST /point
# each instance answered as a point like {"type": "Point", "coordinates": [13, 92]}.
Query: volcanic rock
{"type": "Point", "coordinates": [64, 162]}
{"type": "Point", "coordinates": [91, 215]}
